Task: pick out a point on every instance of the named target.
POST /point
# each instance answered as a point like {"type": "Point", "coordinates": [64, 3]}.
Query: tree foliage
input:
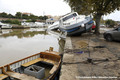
{"type": "Point", "coordinates": [3, 14]}
{"type": "Point", "coordinates": [11, 21]}
{"type": "Point", "coordinates": [19, 15]}
{"type": "Point", "coordinates": [110, 23]}
{"type": "Point", "coordinates": [95, 7]}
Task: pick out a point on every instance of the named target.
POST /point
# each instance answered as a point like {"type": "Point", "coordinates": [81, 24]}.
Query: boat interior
{"type": "Point", "coordinates": [40, 66]}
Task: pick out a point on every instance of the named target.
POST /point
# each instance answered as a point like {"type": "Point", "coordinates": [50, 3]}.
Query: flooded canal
{"type": "Point", "coordinates": [16, 44]}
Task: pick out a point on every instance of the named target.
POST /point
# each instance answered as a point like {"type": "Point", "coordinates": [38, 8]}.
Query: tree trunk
{"type": "Point", "coordinates": [97, 20]}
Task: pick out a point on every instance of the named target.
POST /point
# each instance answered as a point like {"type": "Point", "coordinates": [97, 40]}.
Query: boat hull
{"type": "Point", "coordinates": [77, 29]}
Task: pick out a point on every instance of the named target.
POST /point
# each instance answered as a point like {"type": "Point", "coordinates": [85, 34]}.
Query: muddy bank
{"type": "Point", "coordinates": [91, 56]}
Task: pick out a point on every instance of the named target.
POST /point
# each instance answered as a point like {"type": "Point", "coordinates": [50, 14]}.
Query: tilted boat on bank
{"type": "Point", "coordinates": [40, 66]}
{"type": "Point", "coordinates": [75, 24]}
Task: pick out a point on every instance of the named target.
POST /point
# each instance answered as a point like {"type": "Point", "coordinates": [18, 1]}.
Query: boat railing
{"type": "Point", "coordinates": [18, 63]}
{"type": "Point", "coordinates": [22, 61]}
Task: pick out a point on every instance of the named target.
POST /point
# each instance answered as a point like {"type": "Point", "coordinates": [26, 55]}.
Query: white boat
{"type": "Point", "coordinates": [54, 26]}
{"type": "Point", "coordinates": [39, 24]}
{"type": "Point", "coordinates": [50, 21]}
{"type": "Point", "coordinates": [32, 24]}
{"type": "Point", "coordinates": [5, 26]}
{"type": "Point", "coordinates": [75, 24]}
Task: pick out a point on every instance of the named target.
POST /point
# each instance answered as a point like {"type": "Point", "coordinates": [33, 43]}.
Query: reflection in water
{"type": "Point", "coordinates": [60, 38]}
{"type": "Point", "coordinates": [20, 33]}
{"type": "Point", "coordinates": [20, 43]}
{"type": "Point", "coordinates": [5, 31]}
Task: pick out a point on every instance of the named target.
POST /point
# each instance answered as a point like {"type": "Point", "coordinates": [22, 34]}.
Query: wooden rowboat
{"type": "Point", "coordinates": [46, 61]}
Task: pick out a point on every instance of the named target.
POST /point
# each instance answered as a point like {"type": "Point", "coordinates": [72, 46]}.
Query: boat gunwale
{"type": "Point", "coordinates": [26, 58]}
{"type": "Point", "coordinates": [55, 72]}
{"type": "Point", "coordinates": [19, 60]}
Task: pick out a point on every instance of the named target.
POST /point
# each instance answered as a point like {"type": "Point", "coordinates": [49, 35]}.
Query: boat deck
{"type": "Point", "coordinates": [38, 60]}
{"type": "Point", "coordinates": [32, 62]}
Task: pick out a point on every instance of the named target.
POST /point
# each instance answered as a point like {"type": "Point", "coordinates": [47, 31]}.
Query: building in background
{"type": "Point", "coordinates": [27, 13]}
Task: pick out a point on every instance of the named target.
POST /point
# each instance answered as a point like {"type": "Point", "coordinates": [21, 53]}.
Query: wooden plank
{"type": "Point", "coordinates": [3, 76]}
{"type": "Point", "coordinates": [20, 76]}
{"type": "Point", "coordinates": [53, 69]}
{"type": "Point", "coordinates": [37, 60]}
{"type": "Point", "coordinates": [50, 61]}
{"type": "Point", "coordinates": [32, 62]}
{"type": "Point", "coordinates": [52, 52]}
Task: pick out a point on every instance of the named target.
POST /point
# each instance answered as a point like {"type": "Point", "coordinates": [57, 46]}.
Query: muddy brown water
{"type": "Point", "coordinates": [16, 44]}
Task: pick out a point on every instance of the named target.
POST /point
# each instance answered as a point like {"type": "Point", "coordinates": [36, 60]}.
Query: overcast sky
{"type": "Point", "coordinates": [40, 7]}
{"type": "Point", "coordinates": [114, 16]}
{"type": "Point", "coordinates": [37, 7]}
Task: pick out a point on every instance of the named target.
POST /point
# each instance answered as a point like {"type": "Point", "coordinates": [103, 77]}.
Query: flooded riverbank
{"type": "Point", "coordinates": [16, 44]}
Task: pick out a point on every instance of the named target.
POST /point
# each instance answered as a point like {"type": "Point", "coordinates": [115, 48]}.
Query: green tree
{"type": "Point", "coordinates": [10, 16]}
{"type": "Point", "coordinates": [11, 21]}
{"type": "Point", "coordinates": [40, 17]}
{"type": "Point", "coordinates": [96, 7]}
{"type": "Point", "coordinates": [33, 20]}
{"type": "Point", "coordinates": [18, 15]}
{"type": "Point", "coordinates": [24, 16]}
{"type": "Point", "coordinates": [110, 23]}
{"type": "Point", "coordinates": [44, 18]}
{"type": "Point", "coordinates": [33, 17]}
{"type": "Point", "coordinates": [4, 15]}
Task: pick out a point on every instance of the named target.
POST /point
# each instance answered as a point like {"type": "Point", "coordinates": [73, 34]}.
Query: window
{"type": "Point", "coordinates": [70, 16]}
{"type": "Point", "coordinates": [74, 14]}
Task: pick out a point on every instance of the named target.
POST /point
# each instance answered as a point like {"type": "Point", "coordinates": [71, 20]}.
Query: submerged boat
{"type": "Point", "coordinates": [40, 66]}
{"type": "Point", "coordinates": [75, 24]}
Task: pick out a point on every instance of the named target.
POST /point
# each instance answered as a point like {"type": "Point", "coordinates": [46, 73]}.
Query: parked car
{"type": "Point", "coordinates": [112, 34]}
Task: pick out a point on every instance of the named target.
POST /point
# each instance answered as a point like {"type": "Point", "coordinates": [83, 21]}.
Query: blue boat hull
{"type": "Point", "coordinates": [77, 29]}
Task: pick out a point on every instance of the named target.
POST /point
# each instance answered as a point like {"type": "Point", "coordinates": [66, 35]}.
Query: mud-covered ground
{"type": "Point", "coordinates": [91, 58]}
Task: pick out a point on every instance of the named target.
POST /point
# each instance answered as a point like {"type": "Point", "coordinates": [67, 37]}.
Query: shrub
{"type": "Point", "coordinates": [11, 21]}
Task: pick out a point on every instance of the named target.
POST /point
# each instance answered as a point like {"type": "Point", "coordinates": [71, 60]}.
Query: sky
{"type": "Point", "coordinates": [114, 16]}
{"type": "Point", "coordinates": [43, 7]}
{"type": "Point", "coordinates": [37, 7]}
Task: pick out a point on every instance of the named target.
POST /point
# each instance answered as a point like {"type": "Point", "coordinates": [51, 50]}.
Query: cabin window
{"type": "Point", "coordinates": [74, 14]}
{"type": "Point", "coordinates": [86, 17]}
{"type": "Point", "coordinates": [70, 16]}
